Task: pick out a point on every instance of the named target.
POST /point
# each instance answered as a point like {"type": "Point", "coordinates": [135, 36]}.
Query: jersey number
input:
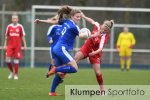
{"type": "Point", "coordinates": [64, 31]}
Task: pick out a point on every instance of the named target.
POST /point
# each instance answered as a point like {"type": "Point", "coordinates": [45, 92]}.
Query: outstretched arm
{"type": "Point", "coordinates": [53, 20]}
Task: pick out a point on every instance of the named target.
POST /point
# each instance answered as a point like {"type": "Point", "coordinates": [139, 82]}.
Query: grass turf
{"type": "Point", "coordinates": [32, 84]}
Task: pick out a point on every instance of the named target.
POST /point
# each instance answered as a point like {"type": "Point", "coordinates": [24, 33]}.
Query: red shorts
{"type": "Point", "coordinates": [85, 49]}
{"type": "Point", "coordinates": [14, 52]}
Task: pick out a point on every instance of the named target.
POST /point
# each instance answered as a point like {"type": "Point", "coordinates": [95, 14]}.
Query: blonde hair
{"type": "Point", "coordinates": [109, 23]}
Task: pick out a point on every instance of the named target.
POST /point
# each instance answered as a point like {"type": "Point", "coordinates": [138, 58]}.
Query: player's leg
{"type": "Point", "coordinates": [83, 53]}
{"type": "Point", "coordinates": [78, 56]}
{"type": "Point", "coordinates": [66, 58]}
{"type": "Point", "coordinates": [95, 61]}
{"type": "Point", "coordinates": [128, 58]}
{"type": "Point", "coordinates": [57, 79]}
{"type": "Point", "coordinates": [52, 62]}
{"type": "Point", "coordinates": [122, 58]}
{"type": "Point", "coordinates": [16, 68]}
{"type": "Point", "coordinates": [17, 57]}
{"type": "Point", "coordinates": [122, 62]}
{"type": "Point", "coordinates": [9, 53]}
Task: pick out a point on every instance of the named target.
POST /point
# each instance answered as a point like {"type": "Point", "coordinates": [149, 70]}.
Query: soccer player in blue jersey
{"type": "Point", "coordinates": [64, 60]}
{"type": "Point", "coordinates": [54, 32]}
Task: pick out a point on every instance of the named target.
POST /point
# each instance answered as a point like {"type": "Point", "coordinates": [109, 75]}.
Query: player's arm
{"type": "Point", "coordinates": [24, 42]}
{"type": "Point", "coordinates": [118, 43]}
{"type": "Point", "coordinates": [6, 38]}
{"type": "Point", "coordinates": [95, 34]}
{"type": "Point", "coordinates": [95, 52]}
{"type": "Point", "coordinates": [53, 20]}
{"type": "Point", "coordinates": [5, 42]}
{"type": "Point", "coordinates": [133, 41]}
{"type": "Point", "coordinates": [88, 19]}
{"type": "Point", "coordinates": [101, 46]}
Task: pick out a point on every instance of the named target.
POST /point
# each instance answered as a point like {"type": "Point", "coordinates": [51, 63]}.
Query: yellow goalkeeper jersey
{"type": "Point", "coordinates": [126, 39]}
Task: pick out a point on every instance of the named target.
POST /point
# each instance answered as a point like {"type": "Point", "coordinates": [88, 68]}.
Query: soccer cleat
{"type": "Point", "coordinates": [51, 72]}
{"type": "Point", "coordinates": [61, 81]}
{"type": "Point", "coordinates": [53, 94]}
{"type": "Point", "coordinates": [15, 77]}
{"type": "Point", "coordinates": [10, 75]}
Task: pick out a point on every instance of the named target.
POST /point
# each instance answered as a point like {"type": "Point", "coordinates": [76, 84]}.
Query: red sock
{"type": "Point", "coordinates": [100, 81]}
{"type": "Point", "coordinates": [10, 66]}
{"type": "Point", "coordinates": [16, 68]}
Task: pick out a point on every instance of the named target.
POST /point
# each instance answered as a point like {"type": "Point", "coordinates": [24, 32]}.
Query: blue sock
{"type": "Point", "coordinates": [49, 67]}
{"type": "Point", "coordinates": [66, 69]}
{"type": "Point", "coordinates": [55, 83]}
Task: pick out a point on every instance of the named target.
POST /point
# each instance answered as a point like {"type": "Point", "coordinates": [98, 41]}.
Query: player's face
{"type": "Point", "coordinates": [15, 19]}
{"type": "Point", "coordinates": [76, 17]}
{"type": "Point", "coordinates": [125, 29]}
{"type": "Point", "coordinates": [106, 26]}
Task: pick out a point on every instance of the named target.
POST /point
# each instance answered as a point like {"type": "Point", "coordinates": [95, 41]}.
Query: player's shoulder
{"type": "Point", "coordinates": [122, 33]}
{"type": "Point", "coordinates": [130, 33]}
{"type": "Point", "coordinates": [19, 25]}
{"type": "Point", "coordinates": [10, 25]}
{"type": "Point", "coordinates": [96, 24]}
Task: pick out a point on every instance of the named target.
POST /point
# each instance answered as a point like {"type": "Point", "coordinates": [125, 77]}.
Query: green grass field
{"type": "Point", "coordinates": [32, 84]}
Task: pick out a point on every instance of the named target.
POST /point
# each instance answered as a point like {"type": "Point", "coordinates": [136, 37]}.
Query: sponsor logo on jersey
{"type": "Point", "coordinates": [14, 34]}
{"type": "Point", "coordinates": [17, 30]}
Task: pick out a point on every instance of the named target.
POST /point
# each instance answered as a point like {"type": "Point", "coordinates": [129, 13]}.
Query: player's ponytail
{"type": "Point", "coordinates": [64, 12]}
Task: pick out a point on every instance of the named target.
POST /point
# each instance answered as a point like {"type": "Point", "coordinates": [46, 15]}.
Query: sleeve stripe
{"type": "Point", "coordinates": [102, 42]}
{"type": "Point", "coordinates": [22, 30]}
{"type": "Point", "coordinates": [6, 31]}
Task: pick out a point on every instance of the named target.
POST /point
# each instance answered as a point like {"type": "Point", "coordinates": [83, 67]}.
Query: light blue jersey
{"type": "Point", "coordinates": [65, 42]}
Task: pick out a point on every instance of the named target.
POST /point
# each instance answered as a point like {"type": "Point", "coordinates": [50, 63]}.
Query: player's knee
{"type": "Point", "coordinates": [8, 60]}
{"type": "Point", "coordinates": [16, 61]}
{"type": "Point", "coordinates": [98, 73]}
{"type": "Point", "coordinates": [62, 75]}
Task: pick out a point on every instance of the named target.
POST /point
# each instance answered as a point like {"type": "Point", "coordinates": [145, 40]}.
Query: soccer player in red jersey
{"type": "Point", "coordinates": [94, 45]}
{"type": "Point", "coordinates": [13, 41]}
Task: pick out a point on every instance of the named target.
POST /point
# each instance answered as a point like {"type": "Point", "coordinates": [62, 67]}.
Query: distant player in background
{"type": "Point", "coordinates": [13, 41]}
{"type": "Point", "coordinates": [125, 43]}
{"type": "Point", "coordinates": [94, 45]}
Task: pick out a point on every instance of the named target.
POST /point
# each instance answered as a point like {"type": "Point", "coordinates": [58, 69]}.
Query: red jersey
{"type": "Point", "coordinates": [97, 42]}
{"type": "Point", "coordinates": [14, 34]}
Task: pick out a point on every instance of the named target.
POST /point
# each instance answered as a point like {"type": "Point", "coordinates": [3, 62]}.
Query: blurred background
{"type": "Point", "coordinates": [38, 49]}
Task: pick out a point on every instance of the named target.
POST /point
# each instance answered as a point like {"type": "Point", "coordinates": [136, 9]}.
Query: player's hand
{"type": "Point", "coordinates": [118, 49]}
{"type": "Point", "coordinates": [51, 41]}
{"type": "Point", "coordinates": [37, 21]}
{"type": "Point", "coordinates": [5, 47]}
{"type": "Point", "coordinates": [25, 48]}
{"type": "Point", "coordinates": [92, 53]}
{"type": "Point", "coordinates": [131, 46]}
{"type": "Point", "coordinates": [82, 15]}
